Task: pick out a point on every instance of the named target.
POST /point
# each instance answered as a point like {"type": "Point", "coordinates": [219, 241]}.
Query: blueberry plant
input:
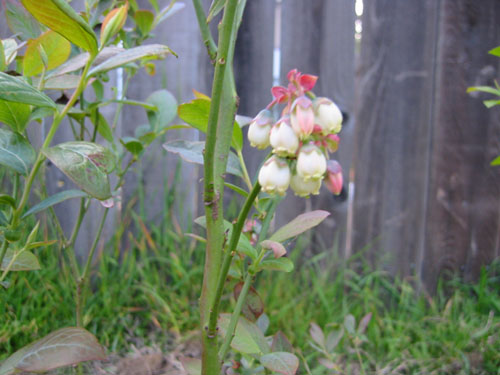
{"type": "Point", "coordinates": [56, 52]}
{"type": "Point", "coordinates": [301, 139]}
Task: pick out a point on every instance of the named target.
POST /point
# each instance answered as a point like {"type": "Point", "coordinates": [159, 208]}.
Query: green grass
{"type": "Point", "coordinates": [147, 294]}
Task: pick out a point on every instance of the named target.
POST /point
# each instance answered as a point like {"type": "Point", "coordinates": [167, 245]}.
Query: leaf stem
{"type": "Point", "coordinates": [208, 40]}
{"type": "Point", "coordinates": [246, 176]}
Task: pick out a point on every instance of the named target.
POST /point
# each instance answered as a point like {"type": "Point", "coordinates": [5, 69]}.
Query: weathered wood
{"type": "Point", "coordinates": [426, 199]}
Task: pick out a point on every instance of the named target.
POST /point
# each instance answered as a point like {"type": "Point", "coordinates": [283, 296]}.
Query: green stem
{"type": "Point", "coordinates": [246, 176]}
{"type": "Point", "coordinates": [235, 316]}
{"type": "Point", "coordinates": [228, 257]}
{"type": "Point", "coordinates": [205, 31]}
{"type": "Point", "coordinates": [82, 282]}
{"type": "Point", "coordinates": [219, 131]}
{"type": "Point", "coordinates": [3, 251]}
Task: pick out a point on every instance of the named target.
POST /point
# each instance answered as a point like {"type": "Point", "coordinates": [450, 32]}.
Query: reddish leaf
{"type": "Point", "coordinates": [299, 225]}
{"type": "Point", "coordinates": [253, 306]}
{"type": "Point", "coordinates": [282, 362]}
{"type": "Point", "coordinates": [61, 348]}
{"type": "Point", "coordinates": [280, 343]}
{"type": "Point", "coordinates": [364, 323]}
{"type": "Point", "coordinates": [317, 334]}
{"type": "Point", "coordinates": [277, 248]}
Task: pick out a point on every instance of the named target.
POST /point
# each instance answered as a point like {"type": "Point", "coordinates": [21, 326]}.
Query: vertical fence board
{"type": "Point", "coordinates": [318, 38]}
{"type": "Point", "coordinates": [419, 159]}
{"type": "Point", "coordinates": [463, 209]}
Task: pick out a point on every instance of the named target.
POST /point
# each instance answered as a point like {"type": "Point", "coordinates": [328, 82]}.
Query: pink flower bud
{"type": "Point", "coordinates": [334, 179]}
{"type": "Point", "coordinates": [311, 162]}
{"type": "Point", "coordinates": [332, 142]}
{"type": "Point", "coordinates": [303, 188]}
{"type": "Point", "coordinates": [328, 115]}
{"type": "Point", "coordinates": [283, 139]}
{"type": "Point", "coordinates": [302, 117]}
{"type": "Point", "coordinates": [259, 129]}
{"type": "Point", "coordinates": [274, 176]}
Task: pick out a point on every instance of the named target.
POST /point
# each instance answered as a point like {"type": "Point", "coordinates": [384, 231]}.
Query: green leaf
{"type": "Point", "coordinates": [58, 15]}
{"type": "Point", "coordinates": [196, 113]}
{"type": "Point", "coordinates": [333, 339]}
{"type": "Point", "coordinates": [144, 20]}
{"type": "Point", "coordinates": [248, 337]}
{"type": "Point", "coordinates": [236, 189]}
{"type": "Point", "coordinates": [16, 152]}
{"type": "Point", "coordinates": [86, 163]}
{"type": "Point", "coordinates": [16, 115]}
{"type": "Point", "coordinates": [20, 21]}
{"type": "Point", "coordinates": [495, 51]}
{"type": "Point", "coordinates": [102, 125]}
{"type": "Point", "coordinates": [280, 264]}
{"type": "Point", "coordinates": [133, 145]}
{"type": "Point", "coordinates": [299, 225]}
{"type": "Point", "coordinates": [192, 152]}
{"type": "Point", "coordinates": [22, 261]}
{"type": "Point", "coordinates": [244, 246]}
{"type": "Point", "coordinates": [79, 61]}
{"type": "Point", "coordinates": [495, 161]}
{"type": "Point", "coordinates": [3, 64]}
{"type": "Point", "coordinates": [64, 347]}
{"type": "Point", "coordinates": [488, 89]}
{"type": "Point", "coordinates": [166, 111]}
{"type": "Point", "coordinates": [350, 324]}
{"type": "Point", "coordinates": [283, 362]}
{"type": "Point", "coordinates": [168, 12]}
{"type": "Point", "coordinates": [7, 199]}
{"type": "Point", "coordinates": [215, 8]}
{"type": "Point", "coordinates": [62, 82]}
{"type": "Point", "coordinates": [14, 89]}
{"type": "Point", "coordinates": [10, 48]}
{"type": "Point", "coordinates": [491, 103]}
{"type": "Point", "coordinates": [55, 199]}
{"type": "Point", "coordinates": [152, 51]}
{"type": "Point", "coordinates": [55, 47]}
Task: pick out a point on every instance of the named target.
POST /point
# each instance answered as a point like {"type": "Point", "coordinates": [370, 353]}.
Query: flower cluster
{"type": "Point", "coordinates": [301, 139]}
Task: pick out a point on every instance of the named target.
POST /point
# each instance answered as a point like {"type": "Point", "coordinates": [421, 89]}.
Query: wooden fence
{"type": "Point", "coordinates": [423, 198]}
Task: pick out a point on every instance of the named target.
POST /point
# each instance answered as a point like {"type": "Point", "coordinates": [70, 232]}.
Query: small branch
{"type": "Point", "coordinates": [235, 316]}
{"type": "Point", "coordinates": [208, 40]}
{"type": "Point", "coordinates": [228, 257]}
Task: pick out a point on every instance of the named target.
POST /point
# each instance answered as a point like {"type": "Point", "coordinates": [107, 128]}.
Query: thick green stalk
{"type": "Point", "coordinates": [228, 256]}
{"type": "Point", "coordinates": [219, 132]}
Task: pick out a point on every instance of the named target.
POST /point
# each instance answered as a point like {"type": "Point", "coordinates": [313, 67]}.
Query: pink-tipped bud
{"type": "Point", "coordinates": [302, 117]}
{"type": "Point", "coordinates": [259, 129]}
{"type": "Point", "coordinates": [304, 188]}
{"type": "Point", "coordinates": [332, 142]}
{"type": "Point", "coordinates": [311, 163]}
{"type": "Point", "coordinates": [334, 179]}
{"type": "Point", "coordinates": [328, 115]}
{"type": "Point", "coordinates": [283, 139]}
{"type": "Point", "coordinates": [274, 176]}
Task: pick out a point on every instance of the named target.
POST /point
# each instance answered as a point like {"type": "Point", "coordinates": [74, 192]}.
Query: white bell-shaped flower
{"type": "Point", "coordinates": [259, 129]}
{"type": "Point", "coordinates": [274, 175]}
{"type": "Point", "coordinates": [327, 115]}
{"type": "Point", "coordinates": [304, 188]}
{"type": "Point", "coordinates": [283, 139]}
{"type": "Point", "coordinates": [311, 162]}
